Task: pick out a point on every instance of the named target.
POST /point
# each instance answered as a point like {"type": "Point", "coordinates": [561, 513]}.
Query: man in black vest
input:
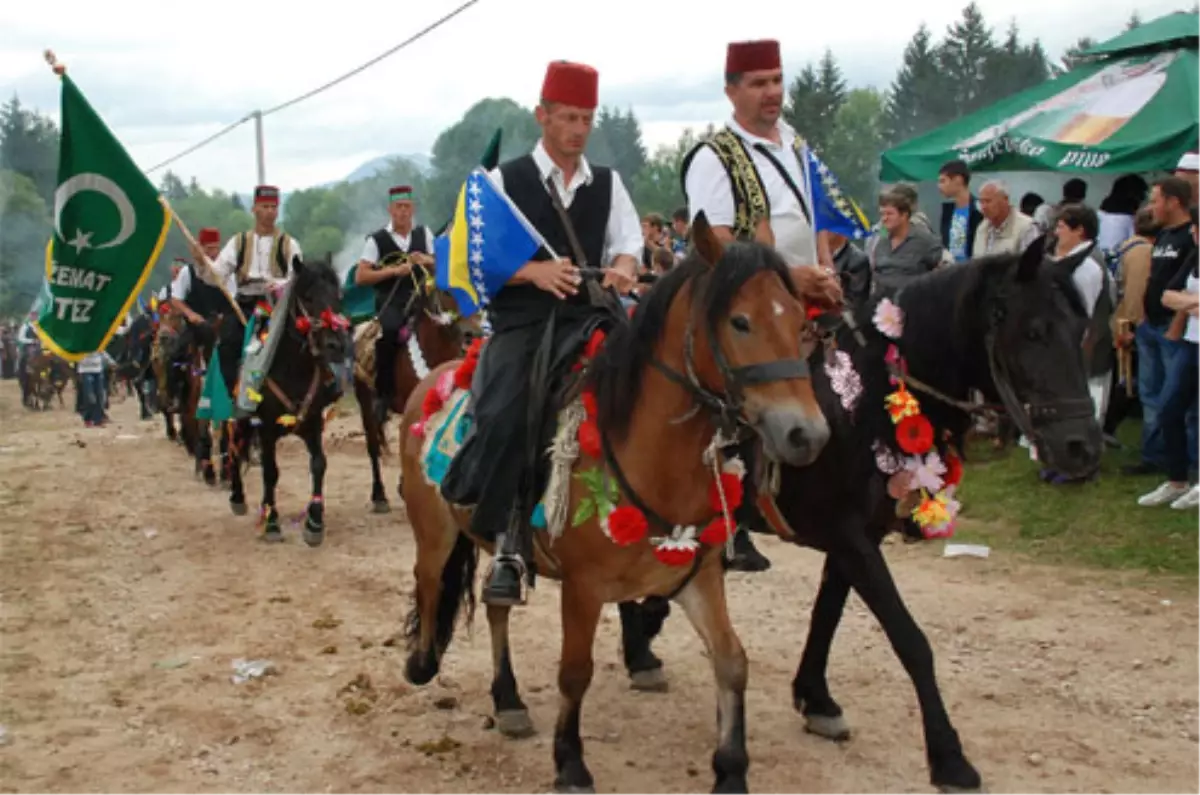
{"type": "Point", "coordinates": [200, 303]}
{"type": "Point", "coordinates": [492, 471]}
{"type": "Point", "coordinates": [394, 260]}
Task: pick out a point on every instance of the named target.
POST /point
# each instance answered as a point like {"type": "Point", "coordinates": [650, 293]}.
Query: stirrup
{"type": "Point", "coordinates": [506, 600]}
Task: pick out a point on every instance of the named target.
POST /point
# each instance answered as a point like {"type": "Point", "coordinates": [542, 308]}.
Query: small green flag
{"type": "Point", "coordinates": [109, 227]}
{"type": "Point", "coordinates": [214, 405]}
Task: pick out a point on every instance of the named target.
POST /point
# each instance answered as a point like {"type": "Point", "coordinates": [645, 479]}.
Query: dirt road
{"type": "Point", "coordinates": [128, 590]}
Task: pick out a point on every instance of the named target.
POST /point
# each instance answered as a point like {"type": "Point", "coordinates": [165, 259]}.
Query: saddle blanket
{"type": "Point", "coordinates": [444, 431]}
{"type": "Point", "coordinates": [258, 350]}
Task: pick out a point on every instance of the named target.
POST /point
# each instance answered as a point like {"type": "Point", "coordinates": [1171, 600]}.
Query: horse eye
{"type": "Point", "coordinates": [1036, 331]}
{"type": "Point", "coordinates": [740, 323]}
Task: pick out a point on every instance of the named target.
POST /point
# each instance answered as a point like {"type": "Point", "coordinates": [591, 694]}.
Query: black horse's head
{"type": "Point", "coordinates": [1035, 322]}
{"type": "Point", "coordinates": [318, 306]}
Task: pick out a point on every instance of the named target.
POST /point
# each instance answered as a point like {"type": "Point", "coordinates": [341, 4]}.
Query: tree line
{"type": "Point", "coordinates": [937, 81]}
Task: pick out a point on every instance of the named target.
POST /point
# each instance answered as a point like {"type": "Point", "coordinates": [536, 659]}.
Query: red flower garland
{"type": "Point", "coordinates": [673, 556]}
{"type": "Point", "coordinates": [717, 532]}
{"type": "Point", "coordinates": [589, 439]}
{"type": "Point", "coordinates": [814, 312]}
{"type": "Point", "coordinates": [627, 525]}
{"type": "Point", "coordinates": [954, 469]}
{"type": "Point", "coordinates": [589, 404]}
{"type": "Point", "coordinates": [914, 434]}
{"type": "Point", "coordinates": [594, 344]}
{"type": "Point", "coordinates": [303, 324]}
{"type": "Point", "coordinates": [432, 403]}
{"type": "Point", "coordinates": [732, 486]}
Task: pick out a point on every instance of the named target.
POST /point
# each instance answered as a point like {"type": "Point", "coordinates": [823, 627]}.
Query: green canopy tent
{"type": "Point", "coordinates": [1132, 109]}
{"type": "Point", "coordinates": [358, 300]}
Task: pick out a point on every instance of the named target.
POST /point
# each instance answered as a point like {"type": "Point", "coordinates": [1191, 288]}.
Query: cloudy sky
{"type": "Point", "coordinates": [164, 80]}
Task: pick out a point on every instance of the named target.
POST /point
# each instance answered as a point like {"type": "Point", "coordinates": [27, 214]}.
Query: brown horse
{"type": "Point", "coordinates": [669, 388]}
{"type": "Point", "coordinates": [439, 333]}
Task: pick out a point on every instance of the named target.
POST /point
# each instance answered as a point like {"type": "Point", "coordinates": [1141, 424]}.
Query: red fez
{"type": "Point", "coordinates": [210, 235]}
{"type": "Point", "coordinates": [400, 193]}
{"type": "Point", "coordinates": [266, 194]}
{"type": "Point", "coordinates": [573, 84]}
{"type": "Point", "coordinates": [752, 56]}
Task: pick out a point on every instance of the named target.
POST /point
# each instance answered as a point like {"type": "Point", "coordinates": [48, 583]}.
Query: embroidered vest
{"type": "Point", "coordinates": [751, 204]}
{"type": "Point", "coordinates": [281, 255]}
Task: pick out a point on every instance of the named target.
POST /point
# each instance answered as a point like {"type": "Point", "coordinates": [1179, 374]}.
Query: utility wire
{"type": "Point", "coordinates": [411, 39]}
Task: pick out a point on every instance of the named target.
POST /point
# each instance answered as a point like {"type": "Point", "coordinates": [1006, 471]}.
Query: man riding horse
{"type": "Point", "coordinates": [749, 181]}
{"type": "Point", "coordinates": [199, 304]}
{"type": "Point", "coordinates": [394, 261]}
{"type": "Point", "coordinates": [249, 266]}
{"type": "Point", "coordinates": [584, 211]}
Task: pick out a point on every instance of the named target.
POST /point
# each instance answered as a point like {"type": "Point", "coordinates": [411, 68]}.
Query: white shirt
{"type": "Point", "coordinates": [709, 189]}
{"type": "Point", "coordinates": [94, 362]}
{"type": "Point", "coordinates": [1192, 332]}
{"type": "Point", "coordinates": [225, 268]}
{"type": "Point", "coordinates": [623, 235]}
{"type": "Point", "coordinates": [370, 253]}
{"type": "Point", "coordinates": [1115, 229]}
{"type": "Point", "coordinates": [26, 334]}
{"type": "Point", "coordinates": [1089, 277]}
{"type": "Point", "coordinates": [181, 286]}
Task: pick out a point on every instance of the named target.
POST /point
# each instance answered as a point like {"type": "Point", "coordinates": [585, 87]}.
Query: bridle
{"type": "Point", "coordinates": [727, 407]}
{"type": "Point", "coordinates": [1028, 415]}
{"type": "Point", "coordinates": [307, 325]}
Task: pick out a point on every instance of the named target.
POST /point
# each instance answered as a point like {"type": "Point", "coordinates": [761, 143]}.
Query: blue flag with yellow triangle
{"type": "Point", "coordinates": [489, 241]}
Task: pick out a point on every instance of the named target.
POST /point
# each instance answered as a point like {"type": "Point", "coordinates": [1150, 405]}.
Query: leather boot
{"type": "Point", "coordinates": [746, 556]}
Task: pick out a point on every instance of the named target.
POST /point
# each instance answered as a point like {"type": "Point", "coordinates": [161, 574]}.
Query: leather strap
{"type": "Point", "coordinates": [597, 295]}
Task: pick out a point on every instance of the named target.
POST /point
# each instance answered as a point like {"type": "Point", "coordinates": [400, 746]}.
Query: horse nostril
{"type": "Point", "coordinates": [796, 438]}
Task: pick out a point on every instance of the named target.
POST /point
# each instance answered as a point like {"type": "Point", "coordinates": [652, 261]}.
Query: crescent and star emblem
{"type": "Point", "coordinates": [103, 185]}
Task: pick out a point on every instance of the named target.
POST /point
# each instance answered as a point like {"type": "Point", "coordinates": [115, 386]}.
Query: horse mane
{"type": "Point", "coordinates": [616, 374]}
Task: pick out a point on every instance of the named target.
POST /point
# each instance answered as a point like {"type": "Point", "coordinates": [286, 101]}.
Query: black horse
{"type": "Point", "coordinates": [132, 353]}
{"type": "Point", "coordinates": [299, 386]}
{"type": "Point", "coordinates": [1008, 326]}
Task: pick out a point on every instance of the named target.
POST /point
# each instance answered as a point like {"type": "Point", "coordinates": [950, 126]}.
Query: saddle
{"type": "Point", "coordinates": [365, 336]}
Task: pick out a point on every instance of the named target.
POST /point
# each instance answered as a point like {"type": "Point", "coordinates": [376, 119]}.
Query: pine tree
{"type": "Point", "coordinates": [1134, 21]}
{"type": "Point", "coordinates": [912, 97]}
{"type": "Point", "coordinates": [803, 104]}
{"type": "Point", "coordinates": [963, 58]}
{"type": "Point", "coordinates": [1073, 56]}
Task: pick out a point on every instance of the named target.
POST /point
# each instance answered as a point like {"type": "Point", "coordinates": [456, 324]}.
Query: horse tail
{"type": "Point", "coordinates": [457, 590]}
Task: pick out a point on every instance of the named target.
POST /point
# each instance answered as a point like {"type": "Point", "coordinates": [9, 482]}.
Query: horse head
{"type": "Point", "coordinates": [1036, 322]}
{"type": "Point", "coordinates": [738, 342]}
{"type": "Point", "coordinates": [440, 307]}
{"type": "Point", "coordinates": [317, 310]}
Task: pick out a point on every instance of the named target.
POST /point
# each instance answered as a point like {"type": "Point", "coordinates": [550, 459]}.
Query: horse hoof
{"type": "Point", "coordinates": [950, 788]}
{"type": "Point", "coordinates": [831, 728]}
{"type": "Point", "coordinates": [381, 506]}
{"type": "Point", "coordinates": [572, 788]}
{"type": "Point", "coordinates": [238, 508]}
{"type": "Point", "coordinates": [653, 680]}
{"type": "Point", "coordinates": [314, 536]}
{"type": "Point", "coordinates": [273, 535]}
{"type": "Point", "coordinates": [515, 724]}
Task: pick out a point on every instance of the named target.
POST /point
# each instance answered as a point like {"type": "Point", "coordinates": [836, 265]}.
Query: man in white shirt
{"type": "Point", "coordinates": [395, 259]}
{"type": "Point", "coordinates": [750, 180]}
{"type": "Point", "coordinates": [249, 266]}
{"type": "Point", "coordinates": [1004, 230]}
{"type": "Point", "coordinates": [490, 471]}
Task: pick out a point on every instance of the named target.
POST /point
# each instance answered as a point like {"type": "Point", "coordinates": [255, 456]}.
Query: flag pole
{"type": "Point", "coordinates": [202, 260]}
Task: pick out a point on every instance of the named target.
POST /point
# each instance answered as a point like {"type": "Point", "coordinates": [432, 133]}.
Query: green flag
{"type": "Point", "coordinates": [215, 404]}
{"type": "Point", "coordinates": [109, 227]}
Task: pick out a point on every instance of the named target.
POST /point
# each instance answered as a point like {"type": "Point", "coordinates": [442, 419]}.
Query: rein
{"type": "Point", "coordinates": [298, 311]}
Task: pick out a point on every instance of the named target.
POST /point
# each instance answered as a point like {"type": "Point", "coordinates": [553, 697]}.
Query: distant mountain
{"type": "Point", "coordinates": [367, 170]}
{"type": "Point", "coordinates": [372, 167]}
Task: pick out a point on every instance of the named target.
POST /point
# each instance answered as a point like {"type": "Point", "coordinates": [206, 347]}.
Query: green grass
{"type": "Point", "coordinates": [1097, 524]}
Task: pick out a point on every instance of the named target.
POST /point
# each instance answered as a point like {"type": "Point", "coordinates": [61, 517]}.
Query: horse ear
{"type": "Point", "coordinates": [1031, 259]}
{"type": "Point", "coordinates": [708, 245]}
{"type": "Point", "coordinates": [297, 264]}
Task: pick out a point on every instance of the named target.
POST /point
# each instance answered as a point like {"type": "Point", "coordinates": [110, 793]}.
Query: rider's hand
{"type": "Point", "coordinates": [559, 277]}
{"type": "Point", "coordinates": [621, 279]}
{"type": "Point", "coordinates": [419, 258]}
{"type": "Point", "coordinates": [403, 269]}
